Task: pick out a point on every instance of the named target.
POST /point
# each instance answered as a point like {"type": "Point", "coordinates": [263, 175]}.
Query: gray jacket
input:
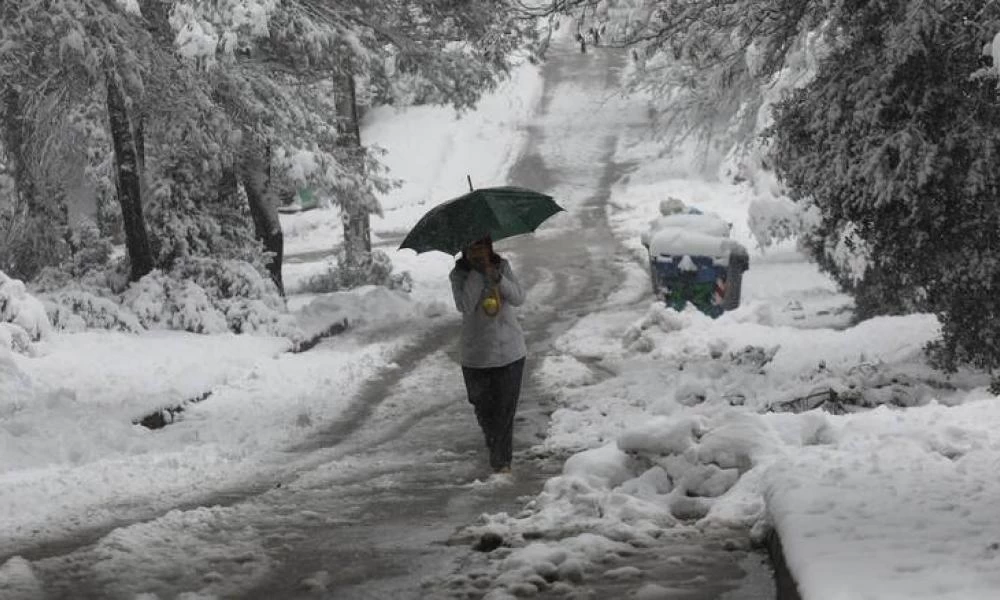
{"type": "Point", "coordinates": [488, 341]}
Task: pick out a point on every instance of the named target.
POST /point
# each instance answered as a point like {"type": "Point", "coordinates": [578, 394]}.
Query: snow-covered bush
{"type": "Point", "coordinates": [162, 302]}
{"type": "Point", "coordinates": [14, 337]}
{"type": "Point", "coordinates": [343, 276]}
{"type": "Point", "coordinates": [186, 219]}
{"type": "Point", "coordinates": [774, 219]}
{"type": "Point", "coordinates": [27, 243]}
{"type": "Point", "coordinates": [20, 308]}
{"type": "Point", "coordinates": [205, 295]}
{"type": "Point", "coordinates": [83, 291]}
{"type": "Point", "coordinates": [90, 266]}
{"type": "Point", "coordinates": [89, 250]}
{"type": "Point", "coordinates": [200, 295]}
{"type": "Point", "coordinates": [76, 309]}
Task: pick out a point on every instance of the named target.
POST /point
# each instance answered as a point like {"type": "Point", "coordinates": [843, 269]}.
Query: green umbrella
{"type": "Point", "coordinates": [497, 212]}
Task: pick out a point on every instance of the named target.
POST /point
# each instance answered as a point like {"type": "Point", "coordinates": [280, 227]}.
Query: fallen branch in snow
{"type": "Point", "coordinates": [168, 415]}
{"type": "Point", "coordinates": [844, 402]}
{"type": "Point", "coordinates": [332, 330]}
{"type": "Point", "coordinates": [165, 416]}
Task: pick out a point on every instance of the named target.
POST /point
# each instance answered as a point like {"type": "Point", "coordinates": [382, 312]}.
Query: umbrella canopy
{"type": "Point", "coordinates": [497, 212]}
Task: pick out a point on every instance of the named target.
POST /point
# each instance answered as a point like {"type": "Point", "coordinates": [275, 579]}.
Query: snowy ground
{"type": "Point", "coordinates": [682, 423]}
{"type": "Point", "coordinates": [677, 424]}
{"type": "Point", "coordinates": [71, 458]}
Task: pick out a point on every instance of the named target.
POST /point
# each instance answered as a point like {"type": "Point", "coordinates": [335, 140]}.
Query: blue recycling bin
{"type": "Point", "coordinates": [712, 284]}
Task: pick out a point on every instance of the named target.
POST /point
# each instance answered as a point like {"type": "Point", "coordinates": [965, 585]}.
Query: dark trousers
{"type": "Point", "coordinates": [494, 393]}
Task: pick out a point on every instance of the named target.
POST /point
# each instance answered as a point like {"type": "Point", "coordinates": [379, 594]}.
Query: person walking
{"type": "Point", "coordinates": [492, 345]}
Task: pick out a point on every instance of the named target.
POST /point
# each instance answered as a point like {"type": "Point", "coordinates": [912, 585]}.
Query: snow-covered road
{"type": "Point", "coordinates": [371, 507]}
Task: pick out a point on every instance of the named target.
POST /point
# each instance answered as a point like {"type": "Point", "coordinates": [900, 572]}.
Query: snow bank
{"type": "Point", "coordinates": [902, 501]}
{"type": "Point", "coordinates": [18, 580]}
{"type": "Point", "coordinates": [105, 380]}
{"type": "Point", "coordinates": [85, 389]}
{"type": "Point", "coordinates": [16, 390]}
{"type": "Point", "coordinates": [367, 306]}
{"type": "Point", "coordinates": [22, 315]}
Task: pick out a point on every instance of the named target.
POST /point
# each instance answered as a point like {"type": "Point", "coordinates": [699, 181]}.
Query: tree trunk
{"type": "Point", "coordinates": [357, 220]}
{"type": "Point", "coordinates": [13, 140]}
{"type": "Point", "coordinates": [140, 145]}
{"type": "Point", "coordinates": [256, 175]}
{"type": "Point", "coordinates": [128, 183]}
{"type": "Point", "coordinates": [228, 187]}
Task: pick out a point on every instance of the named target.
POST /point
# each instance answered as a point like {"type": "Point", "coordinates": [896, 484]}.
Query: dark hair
{"type": "Point", "coordinates": [464, 262]}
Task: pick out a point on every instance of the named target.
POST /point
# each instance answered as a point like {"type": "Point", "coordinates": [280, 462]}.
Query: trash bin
{"type": "Point", "coordinates": [702, 269]}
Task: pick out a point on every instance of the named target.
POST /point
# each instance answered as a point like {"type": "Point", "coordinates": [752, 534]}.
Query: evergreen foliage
{"type": "Point", "coordinates": [343, 275]}
{"type": "Point", "coordinates": [897, 149]}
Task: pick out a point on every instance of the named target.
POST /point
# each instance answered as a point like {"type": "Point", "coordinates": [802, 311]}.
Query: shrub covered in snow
{"type": "Point", "coordinates": [76, 309]}
{"type": "Point", "coordinates": [200, 295]}
{"type": "Point", "coordinates": [161, 302]}
{"type": "Point", "coordinates": [15, 338]}
{"type": "Point", "coordinates": [89, 250]}
{"type": "Point", "coordinates": [21, 310]}
{"type": "Point", "coordinates": [205, 295]}
{"type": "Point", "coordinates": [344, 276]}
{"type": "Point", "coordinates": [774, 219]}
{"type": "Point", "coordinates": [28, 243]}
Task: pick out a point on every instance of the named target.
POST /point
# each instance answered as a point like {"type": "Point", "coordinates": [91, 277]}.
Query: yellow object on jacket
{"type": "Point", "coordinates": [491, 303]}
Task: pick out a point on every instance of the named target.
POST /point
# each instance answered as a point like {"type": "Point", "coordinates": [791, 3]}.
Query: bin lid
{"type": "Point", "coordinates": [673, 242]}
{"type": "Point", "coordinates": [702, 223]}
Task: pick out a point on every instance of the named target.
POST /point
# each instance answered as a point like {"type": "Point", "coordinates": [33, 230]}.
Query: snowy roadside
{"type": "Point", "coordinates": [679, 423]}
{"type": "Point", "coordinates": [71, 458]}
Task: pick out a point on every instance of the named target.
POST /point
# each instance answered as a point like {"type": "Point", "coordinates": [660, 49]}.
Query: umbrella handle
{"type": "Point", "coordinates": [469, 179]}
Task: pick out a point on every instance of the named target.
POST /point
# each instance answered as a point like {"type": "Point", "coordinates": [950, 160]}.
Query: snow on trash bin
{"type": "Point", "coordinates": [691, 265]}
{"type": "Point", "coordinates": [696, 222]}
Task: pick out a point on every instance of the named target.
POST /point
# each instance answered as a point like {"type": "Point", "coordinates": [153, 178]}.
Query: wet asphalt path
{"type": "Point", "coordinates": [375, 512]}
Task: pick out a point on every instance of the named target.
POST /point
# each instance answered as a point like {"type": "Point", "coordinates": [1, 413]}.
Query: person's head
{"type": "Point", "coordinates": [479, 252]}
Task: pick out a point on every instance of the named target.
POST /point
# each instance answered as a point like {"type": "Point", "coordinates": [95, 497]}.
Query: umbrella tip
{"type": "Point", "coordinates": [469, 179]}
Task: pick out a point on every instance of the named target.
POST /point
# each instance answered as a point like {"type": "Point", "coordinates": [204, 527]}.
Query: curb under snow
{"type": "Point", "coordinates": [786, 588]}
